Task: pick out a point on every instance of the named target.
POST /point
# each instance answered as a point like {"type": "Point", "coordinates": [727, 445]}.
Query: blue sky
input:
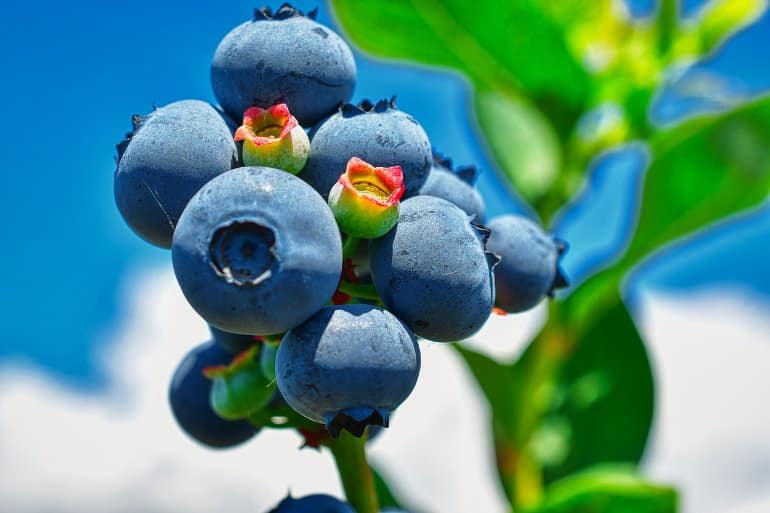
{"type": "Point", "coordinates": [76, 73]}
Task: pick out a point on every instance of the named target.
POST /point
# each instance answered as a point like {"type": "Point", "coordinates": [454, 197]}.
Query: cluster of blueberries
{"type": "Point", "coordinates": [316, 257]}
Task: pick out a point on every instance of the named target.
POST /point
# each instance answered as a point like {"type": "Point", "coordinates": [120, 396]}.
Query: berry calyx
{"type": "Point", "coordinates": [317, 503]}
{"type": "Point", "coordinates": [285, 11]}
{"type": "Point", "coordinates": [365, 199]}
{"type": "Point", "coordinates": [272, 137]}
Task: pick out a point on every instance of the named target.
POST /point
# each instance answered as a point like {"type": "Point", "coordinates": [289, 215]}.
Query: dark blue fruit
{"type": "Point", "coordinates": [379, 134]}
{"type": "Point", "coordinates": [348, 367]}
{"type": "Point", "coordinates": [167, 157]}
{"type": "Point", "coordinates": [317, 503]}
{"type": "Point", "coordinates": [455, 186]}
{"type": "Point", "coordinates": [283, 57]}
{"type": "Point", "coordinates": [257, 251]}
{"type": "Point", "coordinates": [433, 272]}
{"type": "Point", "coordinates": [234, 343]}
{"type": "Point", "coordinates": [529, 267]}
{"type": "Point", "coordinates": [189, 397]}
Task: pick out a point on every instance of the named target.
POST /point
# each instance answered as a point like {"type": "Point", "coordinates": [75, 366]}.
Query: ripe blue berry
{"type": "Point", "coordinates": [189, 397]}
{"type": "Point", "coordinates": [348, 367]}
{"type": "Point", "coordinates": [529, 267]}
{"type": "Point", "coordinates": [433, 272]}
{"type": "Point", "coordinates": [455, 186]}
{"type": "Point", "coordinates": [283, 57]}
{"type": "Point", "coordinates": [257, 251]}
{"type": "Point", "coordinates": [379, 134]}
{"type": "Point", "coordinates": [317, 503]}
{"type": "Point", "coordinates": [167, 157]}
{"type": "Point", "coordinates": [233, 343]}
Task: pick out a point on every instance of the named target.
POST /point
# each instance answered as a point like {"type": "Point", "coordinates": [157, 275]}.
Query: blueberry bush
{"type": "Point", "coordinates": [321, 240]}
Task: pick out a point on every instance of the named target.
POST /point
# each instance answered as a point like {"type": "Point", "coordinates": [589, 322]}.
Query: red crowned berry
{"type": "Point", "coordinates": [365, 199]}
{"type": "Point", "coordinates": [272, 137]}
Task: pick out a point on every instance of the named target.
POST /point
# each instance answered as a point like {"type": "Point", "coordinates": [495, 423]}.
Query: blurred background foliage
{"type": "Point", "coordinates": [555, 87]}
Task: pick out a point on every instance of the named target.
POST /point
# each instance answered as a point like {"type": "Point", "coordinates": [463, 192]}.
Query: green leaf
{"type": "Point", "coordinates": [535, 66]}
{"type": "Point", "coordinates": [607, 489]}
{"type": "Point", "coordinates": [513, 394]}
{"type": "Point", "coordinates": [502, 45]}
{"type": "Point", "coordinates": [579, 395]}
{"type": "Point", "coordinates": [667, 20]}
{"type": "Point", "coordinates": [497, 382]}
{"type": "Point", "coordinates": [604, 396]}
{"type": "Point", "coordinates": [720, 19]}
{"type": "Point", "coordinates": [702, 171]}
{"type": "Point", "coordinates": [385, 497]}
{"type": "Point", "coordinates": [523, 143]}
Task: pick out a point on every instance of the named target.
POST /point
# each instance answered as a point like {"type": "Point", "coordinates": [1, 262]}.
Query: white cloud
{"type": "Point", "coordinates": [119, 450]}
{"type": "Point", "coordinates": [711, 354]}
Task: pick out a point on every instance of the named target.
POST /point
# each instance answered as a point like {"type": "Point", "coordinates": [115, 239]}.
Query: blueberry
{"type": "Point", "coordinates": [167, 157]}
{"type": "Point", "coordinates": [189, 397]}
{"type": "Point", "coordinates": [257, 251]}
{"type": "Point", "coordinates": [379, 134]}
{"type": "Point", "coordinates": [317, 503]}
{"type": "Point", "coordinates": [433, 272]}
{"type": "Point", "coordinates": [456, 186]}
{"type": "Point", "coordinates": [234, 343]}
{"type": "Point", "coordinates": [529, 267]}
{"type": "Point", "coordinates": [348, 367]}
{"type": "Point", "coordinates": [283, 57]}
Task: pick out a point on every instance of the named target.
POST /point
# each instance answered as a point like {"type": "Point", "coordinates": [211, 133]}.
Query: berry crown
{"type": "Point", "coordinates": [284, 12]}
{"type": "Point", "coordinates": [366, 106]}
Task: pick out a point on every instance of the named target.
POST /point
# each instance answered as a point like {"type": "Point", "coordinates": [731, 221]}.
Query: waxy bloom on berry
{"type": "Point", "coordinates": [272, 137]}
{"type": "Point", "coordinates": [365, 199]}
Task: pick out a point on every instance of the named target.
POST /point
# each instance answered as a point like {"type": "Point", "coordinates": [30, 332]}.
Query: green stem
{"type": "Point", "coordinates": [350, 246]}
{"type": "Point", "coordinates": [667, 18]}
{"type": "Point", "coordinates": [356, 475]}
{"type": "Point", "coordinates": [359, 290]}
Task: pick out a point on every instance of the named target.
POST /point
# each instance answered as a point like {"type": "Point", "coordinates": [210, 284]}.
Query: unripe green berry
{"type": "Point", "coordinates": [240, 388]}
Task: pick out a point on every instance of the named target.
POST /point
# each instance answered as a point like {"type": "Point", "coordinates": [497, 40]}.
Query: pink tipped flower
{"type": "Point", "coordinates": [272, 137]}
{"type": "Point", "coordinates": [365, 199]}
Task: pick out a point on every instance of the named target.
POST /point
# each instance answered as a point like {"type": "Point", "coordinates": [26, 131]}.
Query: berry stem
{"type": "Point", "coordinates": [359, 290]}
{"type": "Point", "coordinates": [349, 247]}
{"type": "Point", "coordinates": [356, 475]}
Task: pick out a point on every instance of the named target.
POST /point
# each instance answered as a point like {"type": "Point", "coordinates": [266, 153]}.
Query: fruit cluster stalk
{"type": "Point", "coordinates": [356, 475]}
